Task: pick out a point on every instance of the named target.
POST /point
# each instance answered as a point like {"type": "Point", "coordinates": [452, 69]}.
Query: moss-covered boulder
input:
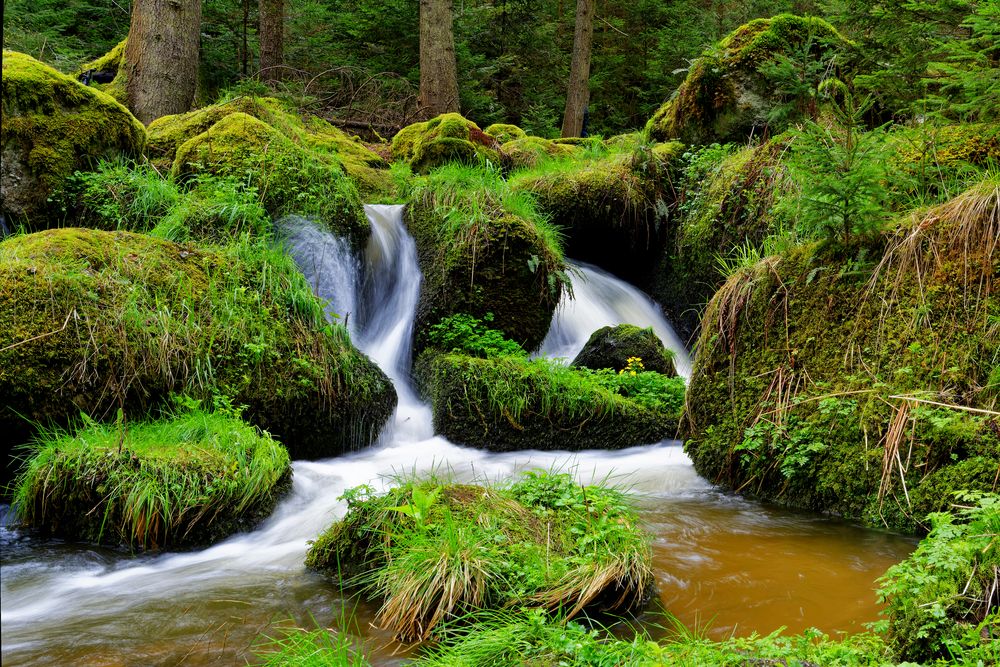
{"type": "Point", "coordinates": [527, 152]}
{"type": "Point", "coordinates": [91, 321]}
{"type": "Point", "coordinates": [483, 249]}
{"type": "Point", "coordinates": [857, 387]}
{"type": "Point", "coordinates": [446, 138]}
{"type": "Point", "coordinates": [510, 403]}
{"type": "Point", "coordinates": [505, 132]}
{"type": "Point", "coordinates": [613, 206]}
{"type": "Point", "coordinates": [761, 78]}
{"type": "Point", "coordinates": [433, 552]}
{"type": "Point", "coordinates": [614, 347]}
{"type": "Point", "coordinates": [184, 481]}
{"type": "Point", "coordinates": [109, 66]}
{"type": "Point", "coordinates": [726, 205]}
{"type": "Point", "coordinates": [51, 126]}
{"type": "Point", "coordinates": [290, 179]}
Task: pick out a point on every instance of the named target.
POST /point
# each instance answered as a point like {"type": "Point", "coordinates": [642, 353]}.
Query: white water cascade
{"type": "Point", "coordinates": [601, 300]}
{"type": "Point", "coordinates": [71, 604]}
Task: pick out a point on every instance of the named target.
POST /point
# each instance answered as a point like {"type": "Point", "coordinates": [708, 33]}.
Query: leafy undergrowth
{"type": "Point", "coordinates": [182, 481]}
{"type": "Point", "coordinates": [433, 551]}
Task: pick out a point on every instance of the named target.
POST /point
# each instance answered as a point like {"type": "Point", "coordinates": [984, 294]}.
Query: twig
{"type": "Point", "coordinates": [981, 411]}
{"type": "Point", "coordinates": [40, 336]}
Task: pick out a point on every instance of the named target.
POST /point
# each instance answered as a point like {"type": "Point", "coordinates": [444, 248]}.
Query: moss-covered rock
{"type": "Point", "coordinates": [111, 64]}
{"type": "Point", "coordinates": [837, 384]}
{"type": "Point", "coordinates": [612, 347]}
{"type": "Point", "coordinates": [510, 403]}
{"type": "Point", "coordinates": [738, 89]}
{"type": "Point", "coordinates": [613, 208]}
{"type": "Point", "coordinates": [479, 255]}
{"type": "Point", "coordinates": [505, 132]}
{"type": "Point", "coordinates": [435, 552]}
{"type": "Point", "coordinates": [52, 125]}
{"type": "Point", "coordinates": [187, 480]}
{"type": "Point", "coordinates": [91, 321]}
{"type": "Point", "coordinates": [446, 138]}
{"type": "Point", "coordinates": [289, 177]}
{"type": "Point", "coordinates": [726, 203]}
{"type": "Point", "coordinates": [526, 152]}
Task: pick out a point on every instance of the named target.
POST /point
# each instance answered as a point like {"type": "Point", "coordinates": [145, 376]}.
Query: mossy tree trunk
{"type": "Point", "coordinates": [578, 92]}
{"type": "Point", "coordinates": [161, 57]}
{"type": "Point", "coordinates": [271, 33]}
{"type": "Point", "coordinates": [438, 70]}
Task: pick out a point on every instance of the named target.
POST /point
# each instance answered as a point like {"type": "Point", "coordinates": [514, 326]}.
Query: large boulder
{"type": "Point", "coordinates": [613, 208]}
{"type": "Point", "coordinates": [479, 256]}
{"type": "Point", "coordinates": [739, 89]}
{"type": "Point", "coordinates": [864, 390]}
{"type": "Point", "coordinates": [52, 125]}
{"type": "Point", "coordinates": [93, 321]}
{"type": "Point", "coordinates": [445, 138]}
{"type": "Point", "coordinates": [613, 347]}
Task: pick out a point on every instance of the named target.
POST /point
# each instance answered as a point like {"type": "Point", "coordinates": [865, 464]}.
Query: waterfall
{"type": "Point", "coordinates": [601, 300]}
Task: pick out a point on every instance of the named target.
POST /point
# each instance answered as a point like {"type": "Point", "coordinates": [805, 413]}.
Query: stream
{"type": "Point", "coordinates": [721, 562]}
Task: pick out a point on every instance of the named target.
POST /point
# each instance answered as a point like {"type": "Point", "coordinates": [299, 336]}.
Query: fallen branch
{"type": "Point", "coordinates": [40, 336]}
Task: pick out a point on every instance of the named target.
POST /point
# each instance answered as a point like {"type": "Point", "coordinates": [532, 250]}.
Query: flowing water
{"type": "Point", "coordinates": [718, 558]}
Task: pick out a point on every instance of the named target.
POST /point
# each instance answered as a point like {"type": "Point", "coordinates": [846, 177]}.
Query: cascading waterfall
{"type": "Point", "coordinates": [72, 604]}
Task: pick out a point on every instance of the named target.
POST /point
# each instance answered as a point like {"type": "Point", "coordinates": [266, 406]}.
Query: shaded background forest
{"type": "Point", "coordinates": [358, 60]}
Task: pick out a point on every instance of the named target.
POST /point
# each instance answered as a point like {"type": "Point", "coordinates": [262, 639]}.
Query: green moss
{"type": "Point", "coordinates": [613, 347]}
{"type": "Point", "coordinates": [504, 132]}
{"type": "Point", "coordinates": [510, 403]}
{"type": "Point", "coordinates": [734, 90]}
{"type": "Point", "coordinates": [484, 249]}
{"type": "Point", "coordinates": [433, 551]}
{"type": "Point", "coordinates": [527, 152]}
{"type": "Point", "coordinates": [446, 138]}
{"type": "Point", "coordinates": [821, 359]}
{"type": "Point", "coordinates": [112, 61]}
{"type": "Point", "coordinates": [612, 206]}
{"type": "Point", "coordinates": [91, 320]}
{"type": "Point", "coordinates": [289, 178]}
{"type": "Point", "coordinates": [187, 480]}
{"type": "Point", "coordinates": [52, 125]}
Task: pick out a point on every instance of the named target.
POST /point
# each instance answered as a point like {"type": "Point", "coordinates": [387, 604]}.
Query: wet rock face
{"type": "Point", "coordinates": [52, 125]}
{"type": "Point", "coordinates": [612, 347]}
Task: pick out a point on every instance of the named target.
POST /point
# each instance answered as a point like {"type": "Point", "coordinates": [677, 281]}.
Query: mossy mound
{"type": "Point", "coordinates": [734, 91]}
{"type": "Point", "coordinates": [726, 203]}
{"type": "Point", "coordinates": [91, 321]}
{"type": "Point", "coordinates": [484, 249]}
{"type": "Point", "coordinates": [505, 132]}
{"type": "Point", "coordinates": [184, 481]}
{"type": "Point", "coordinates": [528, 152]}
{"type": "Point", "coordinates": [52, 125]}
{"type": "Point", "coordinates": [929, 159]}
{"type": "Point", "coordinates": [446, 138]}
{"type": "Point", "coordinates": [433, 552]}
{"type": "Point", "coordinates": [612, 207]}
{"type": "Point", "coordinates": [834, 383]}
{"type": "Point", "coordinates": [289, 178]}
{"type": "Point", "coordinates": [510, 403]}
{"type": "Point", "coordinates": [111, 64]}
{"type": "Point", "coordinates": [614, 347]}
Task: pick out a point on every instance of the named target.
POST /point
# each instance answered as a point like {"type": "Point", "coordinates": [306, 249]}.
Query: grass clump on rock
{"type": "Point", "coordinates": [433, 551]}
{"type": "Point", "coordinates": [185, 480]}
{"type": "Point", "coordinates": [484, 248]}
{"type": "Point", "coordinates": [91, 321]}
{"type": "Point", "coordinates": [53, 125]}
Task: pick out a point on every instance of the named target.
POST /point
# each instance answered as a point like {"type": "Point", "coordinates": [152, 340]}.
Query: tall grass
{"type": "Point", "coordinates": [151, 484]}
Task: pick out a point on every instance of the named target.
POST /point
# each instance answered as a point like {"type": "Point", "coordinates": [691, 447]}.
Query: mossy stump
{"type": "Point", "coordinates": [184, 481]}
{"type": "Point", "coordinates": [94, 321]}
{"type": "Point", "coordinates": [434, 551]}
{"type": "Point", "coordinates": [52, 125]}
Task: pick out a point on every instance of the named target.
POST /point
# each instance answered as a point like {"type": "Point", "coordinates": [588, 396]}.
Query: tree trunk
{"type": "Point", "coordinates": [272, 38]}
{"type": "Point", "coordinates": [438, 71]}
{"type": "Point", "coordinates": [161, 59]}
{"type": "Point", "coordinates": [578, 92]}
